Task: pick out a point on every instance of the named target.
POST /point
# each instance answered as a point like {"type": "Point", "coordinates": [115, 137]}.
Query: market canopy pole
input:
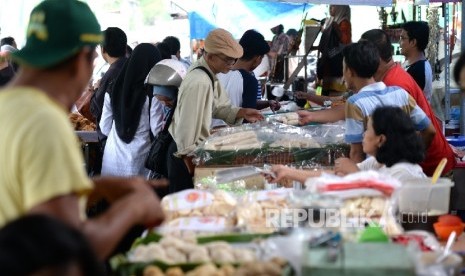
{"type": "Point", "coordinates": [462, 97]}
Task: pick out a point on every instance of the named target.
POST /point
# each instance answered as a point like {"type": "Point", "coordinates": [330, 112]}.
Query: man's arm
{"type": "Point", "coordinates": [105, 231]}
{"type": "Point", "coordinates": [427, 135]}
{"type": "Point", "coordinates": [316, 99]}
{"type": "Point", "coordinates": [356, 152]}
{"type": "Point", "coordinates": [421, 122]}
{"type": "Point", "coordinates": [323, 116]}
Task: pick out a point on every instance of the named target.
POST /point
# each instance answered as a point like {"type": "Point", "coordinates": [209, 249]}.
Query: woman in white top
{"type": "Point", "coordinates": [391, 141]}
{"type": "Point", "coordinates": [126, 118]}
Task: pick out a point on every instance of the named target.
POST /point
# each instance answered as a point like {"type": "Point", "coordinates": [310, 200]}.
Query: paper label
{"type": "Point", "coordinates": [187, 199]}
{"type": "Point", "coordinates": [277, 194]}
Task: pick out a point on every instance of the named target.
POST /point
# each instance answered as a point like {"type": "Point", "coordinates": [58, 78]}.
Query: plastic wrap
{"type": "Point", "coordinates": [268, 143]}
{"type": "Point", "coordinates": [259, 212]}
{"type": "Point", "coordinates": [291, 118]}
{"type": "Point", "coordinates": [367, 196]}
{"type": "Point", "coordinates": [195, 203]}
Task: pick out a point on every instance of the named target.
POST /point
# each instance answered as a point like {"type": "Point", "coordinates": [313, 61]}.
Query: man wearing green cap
{"type": "Point", "coordinates": [41, 166]}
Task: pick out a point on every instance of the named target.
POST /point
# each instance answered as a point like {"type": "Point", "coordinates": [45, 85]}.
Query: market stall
{"type": "Point", "coordinates": [235, 222]}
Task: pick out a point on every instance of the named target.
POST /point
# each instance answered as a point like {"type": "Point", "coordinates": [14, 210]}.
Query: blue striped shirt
{"type": "Point", "coordinates": [360, 106]}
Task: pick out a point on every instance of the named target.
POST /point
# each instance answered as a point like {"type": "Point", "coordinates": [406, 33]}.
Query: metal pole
{"type": "Point", "coordinates": [446, 61]}
{"type": "Point", "coordinates": [462, 96]}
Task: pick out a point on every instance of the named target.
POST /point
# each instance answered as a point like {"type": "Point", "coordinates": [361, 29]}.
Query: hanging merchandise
{"type": "Point", "coordinates": [294, 46]}
{"type": "Point", "coordinates": [383, 15]}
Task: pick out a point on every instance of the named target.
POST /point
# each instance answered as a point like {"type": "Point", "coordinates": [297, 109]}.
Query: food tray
{"type": "Point", "coordinates": [122, 266]}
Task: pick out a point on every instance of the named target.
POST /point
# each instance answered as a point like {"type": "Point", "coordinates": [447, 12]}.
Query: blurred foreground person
{"type": "Point", "coordinates": [41, 165]}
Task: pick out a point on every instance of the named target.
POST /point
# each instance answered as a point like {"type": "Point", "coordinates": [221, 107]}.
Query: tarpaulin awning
{"type": "Point", "coordinates": [238, 16]}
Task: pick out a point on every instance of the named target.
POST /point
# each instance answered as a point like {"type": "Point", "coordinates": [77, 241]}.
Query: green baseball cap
{"type": "Point", "coordinates": [57, 30]}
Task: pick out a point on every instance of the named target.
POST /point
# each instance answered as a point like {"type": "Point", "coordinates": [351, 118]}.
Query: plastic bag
{"type": "Point", "coordinates": [267, 143]}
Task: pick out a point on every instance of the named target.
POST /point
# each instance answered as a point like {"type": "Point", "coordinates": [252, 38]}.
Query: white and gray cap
{"type": "Point", "coordinates": [166, 77]}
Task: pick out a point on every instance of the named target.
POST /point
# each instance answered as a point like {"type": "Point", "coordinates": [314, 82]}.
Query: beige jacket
{"type": "Point", "coordinates": [197, 104]}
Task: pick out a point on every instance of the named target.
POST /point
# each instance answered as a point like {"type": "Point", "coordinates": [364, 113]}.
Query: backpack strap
{"type": "Point", "coordinates": [208, 73]}
{"type": "Point", "coordinates": [150, 95]}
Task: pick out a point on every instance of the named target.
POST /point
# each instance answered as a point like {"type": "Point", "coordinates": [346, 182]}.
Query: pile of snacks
{"type": "Point", "coordinates": [274, 267]}
{"type": "Point", "coordinates": [195, 203]}
{"type": "Point", "coordinates": [80, 123]}
{"type": "Point", "coordinates": [171, 250]}
{"type": "Point", "coordinates": [290, 118]}
{"type": "Point", "coordinates": [371, 207]}
{"type": "Point", "coordinates": [254, 207]}
{"type": "Point", "coordinates": [268, 143]}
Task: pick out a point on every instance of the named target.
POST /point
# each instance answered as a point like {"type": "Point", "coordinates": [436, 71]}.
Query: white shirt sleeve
{"type": "Point", "coordinates": [156, 116]}
{"type": "Point", "coordinates": [406, 171]}
{"type": "Point", "coordinates": [106, 120]}
{"type": "Point", "coordinates": [369, 164]}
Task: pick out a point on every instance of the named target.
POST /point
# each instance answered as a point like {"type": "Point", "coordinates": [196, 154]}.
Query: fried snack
{"type": "Point", "coordinates": [259, 268]}
{"type": "Point", "coordinates": [252, 215]}
{"type": "Point", "coordinates": [174, 271]}
{"type": "Point", "coordinates": [175, 251]}
{"type": "Point", "coordinates": [228, 270]}
{"type": "Point", "coordinates": [204, 270]}
{"type": "Point", "coordinates": [371, 207]}
{"type": "Point", "coordinates": [222, 256]}
{"type": "Point", "coordinates": [152, 271]}
{"type": "Point", "coordinates": [199, 255]}
{"type": "Point", "coordinates": [80, 123]}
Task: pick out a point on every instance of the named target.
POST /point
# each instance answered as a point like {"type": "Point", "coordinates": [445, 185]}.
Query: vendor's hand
{"type": "Point", "coordinates": [305, 117]}
{"type": "Point", "coordinates": [114, 188]}
{"type": "Point", "coordinates": [274, 105]}
{"type": "Point", "coordinates": [250, 114]}
{"type": "Point", "coordinates": [149, 212]}
{"type": "Point", "coordinates": [344, 166]}
{"type": "Point", "coordinates": [280, 172]}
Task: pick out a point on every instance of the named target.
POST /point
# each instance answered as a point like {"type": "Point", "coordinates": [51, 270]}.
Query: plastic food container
{"type": "Point", "coordinates": [421, 203]}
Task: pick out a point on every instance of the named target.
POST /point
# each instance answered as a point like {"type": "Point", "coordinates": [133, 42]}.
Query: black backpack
{"type": "Point", "coordinates": [158, 154]}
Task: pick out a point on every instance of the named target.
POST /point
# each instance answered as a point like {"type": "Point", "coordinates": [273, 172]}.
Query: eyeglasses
{"type": "Point", "coordinates": [227, 60]}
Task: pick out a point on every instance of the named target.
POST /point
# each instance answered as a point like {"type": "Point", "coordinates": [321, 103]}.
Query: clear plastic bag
{"type": "Point", "coordinates": [270, 143]}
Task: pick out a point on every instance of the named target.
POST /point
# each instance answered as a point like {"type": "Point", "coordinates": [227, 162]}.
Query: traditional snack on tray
{"type": "Point", "coordinates": [235, 141]}
{"type": "Point", "coordinates": [290, 118]}
{"type": "Point", "coordinates": [295, 143]}
{"type": "Point", "coordinates": [252, 212]}
{"type": "Point", "coordinates": [370, 207]}
{"type": "Point", "coordinates": [81, 123]}
{"type": "Point", "coordinates": [171, 250]}
{"type": "Point", "coordinates": [274, 267]}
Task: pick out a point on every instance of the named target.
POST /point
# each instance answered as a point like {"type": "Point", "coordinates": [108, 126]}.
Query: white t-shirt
{"type": "Point", "coordinates": [233, 84]}
{"type": "Point", "coordinates": [403, 171]}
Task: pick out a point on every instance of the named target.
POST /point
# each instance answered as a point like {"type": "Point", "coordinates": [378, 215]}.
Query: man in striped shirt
{"type": "Point", "coordinates": [361, 61]}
